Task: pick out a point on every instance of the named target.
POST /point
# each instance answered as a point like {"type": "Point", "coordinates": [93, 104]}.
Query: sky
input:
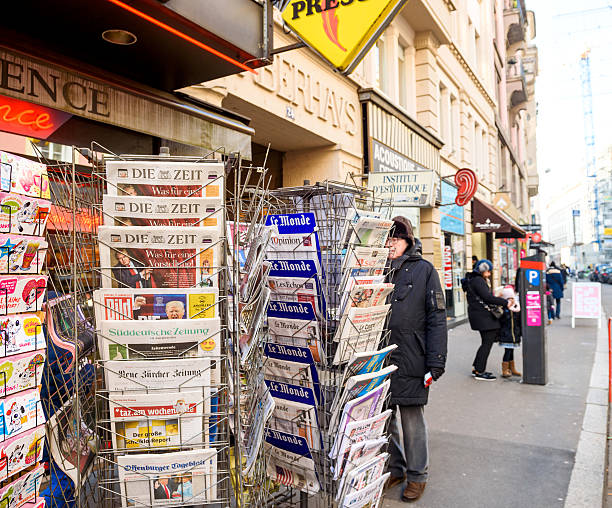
{"type": "Point", "coordinates": [564, 30]}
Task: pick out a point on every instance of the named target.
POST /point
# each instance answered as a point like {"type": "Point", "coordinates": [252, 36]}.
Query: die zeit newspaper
{"type": "Point", "coordinates": [184, 478]}
{"type": "Point", "coordinates": [159, 257]}
{"type": "Point", "coordinates": [170, 179]}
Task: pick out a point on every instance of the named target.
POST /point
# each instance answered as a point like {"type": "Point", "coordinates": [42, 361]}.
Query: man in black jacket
{"type": "Point", "coordinates": [418, 327]}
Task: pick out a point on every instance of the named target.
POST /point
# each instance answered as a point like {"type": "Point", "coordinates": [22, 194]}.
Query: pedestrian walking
{"type": "Point", "coordinates": [481, 308]}
{"type": "Point", "coordinates": [554, 278]}
{"type": "Point", "coordinates": [418, 328]}
{"type": "Point", "coordinates": [550, 304]}
{"type": "Point", "coordinates": [510, 330]}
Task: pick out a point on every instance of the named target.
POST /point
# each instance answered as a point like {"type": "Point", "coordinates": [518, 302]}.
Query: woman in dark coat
{"type": "Point", "coordinates": [478, 295]}
{"type": "Point", "coordinates": [554, 278]}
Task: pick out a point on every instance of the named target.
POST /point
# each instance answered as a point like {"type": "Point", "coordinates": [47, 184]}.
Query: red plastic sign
{"type": "Point", "coordinates": [467, 183]}
{"type": "Point", "coordinates": [26, 119]}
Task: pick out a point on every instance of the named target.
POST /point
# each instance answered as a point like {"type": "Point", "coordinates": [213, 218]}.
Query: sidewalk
{"type": "Point", "coordinates": [503, 444]}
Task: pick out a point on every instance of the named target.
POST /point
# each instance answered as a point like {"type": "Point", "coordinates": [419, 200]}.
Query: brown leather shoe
{"type": "Point", "coordinates": [513, 369]}
{"type": "Point", "coordinates": [394, 481]}
{"type": "Point", "coordinates": [506, 369]}
{"type": "Point", "coordinates": [413, 491]}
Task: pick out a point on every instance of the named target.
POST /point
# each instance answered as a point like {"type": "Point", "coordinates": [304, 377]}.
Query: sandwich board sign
{"type": "Point", "coordinates": [586, 301]}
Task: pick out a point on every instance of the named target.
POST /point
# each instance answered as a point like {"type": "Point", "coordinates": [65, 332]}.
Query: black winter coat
{"type": "Point", "coordinates": [480, 318]}
{"type": "Point", "coordinates": [510, 331]}
{"type": "Point", "coordinates": [418, 327]}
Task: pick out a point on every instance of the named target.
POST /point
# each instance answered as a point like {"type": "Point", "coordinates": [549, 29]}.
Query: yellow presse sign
{"type": "Point", "coordinates": [607, 231]}
{"type": "Point", "coordinates": [337, 29]}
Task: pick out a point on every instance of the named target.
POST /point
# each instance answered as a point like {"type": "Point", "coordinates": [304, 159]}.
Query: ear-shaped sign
{"type": "Point", "coordinates": [467, 183]}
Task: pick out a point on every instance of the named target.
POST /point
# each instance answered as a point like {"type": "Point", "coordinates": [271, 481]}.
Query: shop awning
{"type": "Point", "coordinates": [488, 219]}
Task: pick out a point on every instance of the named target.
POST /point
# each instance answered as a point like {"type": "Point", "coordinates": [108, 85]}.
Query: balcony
{"type": "Point", "coordinates": [515, 23]}
{"type": "Point", "coordinates": [516, 84]}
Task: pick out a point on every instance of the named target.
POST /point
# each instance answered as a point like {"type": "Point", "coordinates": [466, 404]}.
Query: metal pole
{"type": "Point", "coordinates": [575, 245]}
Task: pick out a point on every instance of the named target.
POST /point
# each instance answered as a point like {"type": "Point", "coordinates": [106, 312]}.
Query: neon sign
{"type": "Point", "coordinates": [21, 117]}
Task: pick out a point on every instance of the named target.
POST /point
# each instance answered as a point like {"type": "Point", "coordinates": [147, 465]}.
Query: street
{"type": "Point", "coordinates": [504, 444]}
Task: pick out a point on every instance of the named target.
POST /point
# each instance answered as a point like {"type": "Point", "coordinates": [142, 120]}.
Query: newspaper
{"type": "Point", "coordinates": [21, 333]}
{"type": "Point", "coordinates": [360, 330]}
{"type": "Point", "coordinates": [295, 289]}
{"type": "Point", "coordinates": [352, 218]}
{"type": "Point", "coordinates": [362, 475]}
{"type": "Point", "coordinates": [358, 281]}
{"type": "Point", "coordinates": [366, 406]}
{"type": "Point", "coordinates": [155, 420]}
{"type": "Point", "coordinates": [179, 478]}
{"type": "Point", "coordinates": [367, 295]}
{"type": "Point", "coordinates": [22, 293]}
{"type": "Point", "coordinates": [259, 412]}
{"type": "Point", "coordinates": [369, 496]}
{"type": "Point", "coordinates": [161, 211]}
{"type": "Point", "coordinates": [21, 452]}
{"type": "Point", "coordinates": [252, 316]}
{"type": "Point", "coordinates": [370, 231]}
{"type": "Point", "coordinates": [255, 269]}
{"type": "Point", "coordinates": [296, 418]}
{"type": "Point", "coordinates": [359, 385]}
{"type": "Point", "coordinates": [305, 271]}
{"type": "Point", "coordinates": [290, 462]}
{"type": "Point", "coordinates": [155, 303]}
{"type": "Point", "coordinates": [296, 237]}
{"type": "Point", "coordinates": [128, 340]}
{"type": "Point", "coordinates": [20, 254]}
{"type": "Point", "coordinates": [364, 261]}
{"type": "Point", "coordinates": [24, 490]}
{"type": "Point", "coordinates": [300, 370]}
{"type": "Point", "coordinates": [158, 256]}
{"type": "Point", "coordinates": [356, 432]}
{"type": "Point", "coordinates": [21, 372]}
{"type": "Point", "coordinates": [23, 215]}
{"type": "Point", "coordinates": [360, 453]}
{"type": "Point", "coordinates": [23, 176]}
{"type": "Point", "coordinates": [19, 413]}
{"type": "Point", "coordinates": [169, 179]}
{"type": "Point", "coordinates": [72, 444]}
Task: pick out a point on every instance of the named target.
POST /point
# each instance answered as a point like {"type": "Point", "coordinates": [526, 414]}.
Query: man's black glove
{"type": "Point", "coordinates": [436, 372]}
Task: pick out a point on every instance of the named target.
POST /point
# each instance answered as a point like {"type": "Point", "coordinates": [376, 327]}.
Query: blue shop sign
{"type": "Point", "coordinates": [451, 216]}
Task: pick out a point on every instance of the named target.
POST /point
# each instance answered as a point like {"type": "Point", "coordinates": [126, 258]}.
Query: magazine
{"type": "Point", "coordinates": [358, 431]}
{"type": "Point", "coordinates": [19, 413]}
{"type": "Point", "coordinates": [364, 261]}
{"type": "Point", "coordinates": [370, 232]}
{"type": "Point", "coordinates": [359, 385]}
{"type": "Point", "coordinates": [24, 490]}
{"type": "Point", "coordinates": [21, 372]}
{"type": "Point", "coordinates": [259, 411]}
{"type": "Point", "coordinates": [155, 303]}
{"type": "Point", "coordinates": [352, 218]}
{"type": "Point", "coordinates": [153, 420]}
{"type": "Point", "coordinates": [23, 215]}
{"type": "Point", "coordinates": [72, 443]}
{"type": "Point", "coordinates": [367, 295]}
{"type": "Point", "coordinates": [130, 340]}
{"type": "Point", "coordinates": [21, 333]}
{"type": "Point", "coordinates": [366, 406]}
{"type": "Point", "coordinates": [361, 281]}
{"type": "Point", "coordinates": [290, 462]}
{"type": "Point", "coordinates": [23, 176]}
{"type": "Point", "coordinates": [360, 330]}
{"type": "Point", "coordinates": [21, 452]}
{"type": "Point", "coordinates": [255, 268]}
{"type": "Point", "coordinates": [360, 453]}
{"type": "Point", "coordinates": [20, 254]}
{"type": "Point", "coordinates": [154, 375]}
{"type": "Point", "coordinates": [362, 475]}
{"type": "Point", "coordinates": [22, 293]}
{"type": "Point", "coordinates": [160, 257]}
{"type": "Point", "coordinates": [369, 496]}
{"type": "Point", "coordinates": [165, 178]}
{"type": "Point", "coordinates": [161, 211]}
{"type": "Point", "coordinates": [183, 478]}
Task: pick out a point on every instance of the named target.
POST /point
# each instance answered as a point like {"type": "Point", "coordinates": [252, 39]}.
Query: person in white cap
{"type": "Point", "coordinates": [510, 330]}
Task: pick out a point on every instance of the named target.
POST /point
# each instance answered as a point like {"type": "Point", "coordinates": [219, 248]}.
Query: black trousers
{"type": "Point", "coordinates": [508, 354]}
{"type": "Point", "coordinates": [489, 337]}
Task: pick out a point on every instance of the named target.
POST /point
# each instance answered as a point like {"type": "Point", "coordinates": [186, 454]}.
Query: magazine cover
{"type": "Point", "coordinates": [23, 215]}
{"type": "Point", "coordinates": [186, 478]}
{"type": "Point", "coordinates": [73, 446]}
{"type": "Point", "coordinates": [20, 412]}
{"type": "Point", "coordinates": [160, 211]}
{"type": "Point", "coordinates": [24, 490]}
{"type": "Point", "coordinates": [370, 232]}
{"type": "Point", "coordinates": [165, 178]}
{"type": "Point", "coordinates": [290, 462]}
{"type": "Point", "coordinates": [360, 453]}
{"type": "Point", "coordinates": [21, 333]}
{"type": "Point", "coordinates": [364, 261]}
{"type": "Point", "coordinates": [152, 420]}
{"type": "Point", "coordinates": [155, 303]}
{"type": "Point", "coordinates": [159, 257]}
{"type": "Point", "coordinates": [361, 281]}
{"type": "Point", "coordinates": [362, 475]}
{"type": "Point", "coordinates": [352, 218]}
{"type": "Point", "coordinates": [21, 372]}
{"type": "Point", "coordinates": [22, 293]}
{"type": "Point", "coordinates": [23, 176]}
{"type": "Point", "coordinates": [21, 452]}
{"type": "Point", "coordinates": [363, 407]}
{"type": "Point", "coordinates": [368, 295]}
{"type": "Point", "coordinates": [369, 496]}
{"type": "Point", "coordinates": [358, 431]}
{"type": "Point", "coordinates": [360, 330]}
{"type": "Point", "coordinates": [20, 254]}
{"type": "Point", "coordinates": [134, 340]}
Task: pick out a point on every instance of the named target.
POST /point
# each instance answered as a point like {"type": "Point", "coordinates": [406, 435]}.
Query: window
{"type": "Point", "coordinates": [402, 85]}
{"type": "Point", "coordinates": [477, 56]}
{"type": "Point", "coordinates": [379, 65]}
{"type": "Point", "coordinates": [454, 122]}
{"type": "Point", "coordinates": [485, 155]}
{"type": "Point", "coordinates": [444, 115]}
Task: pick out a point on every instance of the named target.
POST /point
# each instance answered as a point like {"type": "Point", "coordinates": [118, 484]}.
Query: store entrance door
{"type": "Point", "coordinates": [454, 271]}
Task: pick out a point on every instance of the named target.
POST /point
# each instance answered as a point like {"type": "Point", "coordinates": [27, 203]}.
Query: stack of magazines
{"type": "Point", "coordinates": [159, 330]}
